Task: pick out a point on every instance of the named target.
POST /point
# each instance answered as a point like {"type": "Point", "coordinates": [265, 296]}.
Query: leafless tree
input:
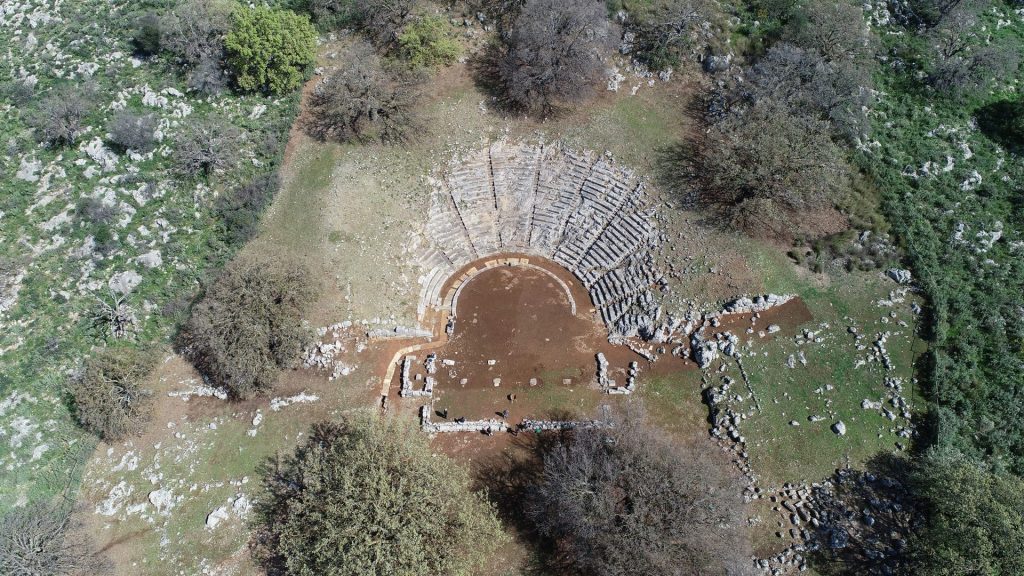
{"type": "Point", "coordinates": [361, 101]}
{"type": "Point", "coordinates": [44, 540]}
{"type": "Point", "coordinates": [109, 398]}
{"type": "Point", "coordinates": [195, 29]}
{"type": "Point", "coordinates": [206, 146]}
{"type": "Point", "coordinates": [627, 500]}
{"type": "Point", "coordinates": [194, 32]}
{"type": "Point", "coordinates": [58, 122]}
{"type": "Point", "coordinates": [962, 64]}
{"type": "Point", "coordinates": [553, 53]}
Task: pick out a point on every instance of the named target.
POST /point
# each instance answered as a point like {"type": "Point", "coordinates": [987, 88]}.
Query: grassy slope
{"type": "Point", "coordinates": [50, 326]}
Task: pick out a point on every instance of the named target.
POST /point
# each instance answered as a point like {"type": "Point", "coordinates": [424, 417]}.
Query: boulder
{"type": "Point", "coordinates": [162, 499]}
{"type": "Point", "coordinates": [151, 259]}
{"type": "Point", "coordinates": [124, 282]}
{"type": "Point", "coordinates": [714, 63]}
{"type": "Point", "coordinates": [216, 517]}
{"type": "Point", "coordinates": [839, 428]}
{"type": "Point", "coordinates": [899, 275]}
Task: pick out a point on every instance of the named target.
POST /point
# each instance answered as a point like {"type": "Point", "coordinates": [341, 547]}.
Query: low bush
{"type": "Point", "coordinates": [428, 42]}
{"type": "Point", "coordinates": [108, 394]}
{"type": "Point", "coordinates": [239, 208]}
{"type": "Point", "coordinates": [206, 146]}
{"type": "Point", "coordinates": [58, 121]}
{"type": "Point", "coordinates": [130, 131]}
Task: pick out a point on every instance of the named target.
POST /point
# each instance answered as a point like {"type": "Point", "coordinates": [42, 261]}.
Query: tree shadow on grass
{"type": "Point", "coordinates": [1003, 122]}
{"type": "Point", "coordinates": [508, 477]}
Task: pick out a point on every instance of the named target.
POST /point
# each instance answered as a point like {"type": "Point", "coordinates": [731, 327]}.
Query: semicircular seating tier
{"type": "Point", "coordinates": [580, 210]}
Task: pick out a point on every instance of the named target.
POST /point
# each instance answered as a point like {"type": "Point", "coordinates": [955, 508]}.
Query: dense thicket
{"type": "Point", "coordinates": [975, 519]}
{"type": "Point", "coordinates": [626, 500]}
{"type": "Point", "coordinates": [109, 396]}
{"type": "Point", "coordinates": [249, 326]}
{"type": "Point", "coordinates": [764, 165]}
{"type": "Point", "coordinates": [367, 497]}
{"type": "Point", "coordinates": [960, 234]}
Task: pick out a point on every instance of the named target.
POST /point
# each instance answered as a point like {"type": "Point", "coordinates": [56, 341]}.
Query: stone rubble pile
{"type": "Point", "coordinates": [746, 305]}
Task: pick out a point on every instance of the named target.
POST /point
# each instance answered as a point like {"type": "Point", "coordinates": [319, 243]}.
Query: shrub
{"type": "Point", "coordinates": [239, 208]}
{"type": "Point", "coordinates": [109, 398]}
{"type": "Point", "coordinates": [43, 539]}
{"type": "Point", "coordinates": [96, 212]}
{"type": "Point", "coordinates": [553, 54]}
{"type": "Point", "coordinates": [270, 50]}
{"type": "Point", "coordinates": [147, 35]}
{"type": "Point", "coordinates": [365, 497]}
{"type": "Point", "coordinates": [248, 326]}
{"type": "Point", "coordinates": [18, 92]}
{"type": "Point", "coordinates": [206, 146]}
{"type": "Point", "coordinates": [58, 122]}
{"type": "Point", "coordinates": [428, 42]}
{"type": "Point", "coordinates": [130, 131]}
{"type": "Point", "coordinates": [361, 101]}
{"type": "Point", "coordinates": [626, 500]}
